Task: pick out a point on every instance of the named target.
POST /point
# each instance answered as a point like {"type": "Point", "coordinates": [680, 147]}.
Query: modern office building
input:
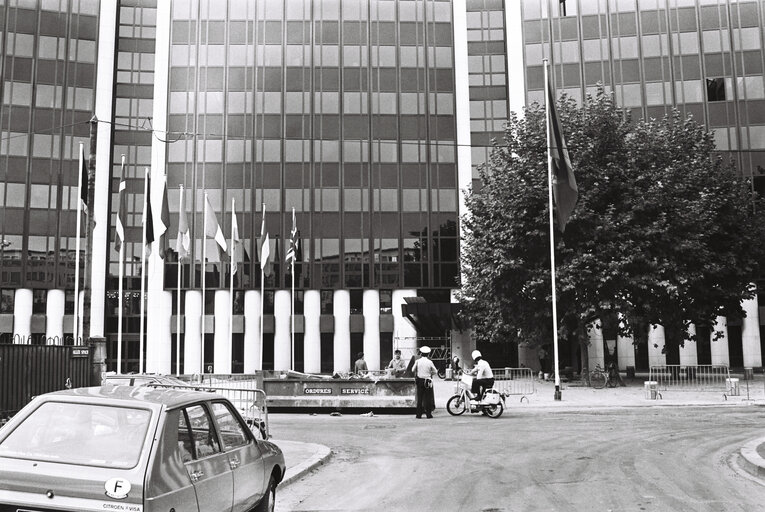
{"type": "Point", "coordinates": [367, 117]}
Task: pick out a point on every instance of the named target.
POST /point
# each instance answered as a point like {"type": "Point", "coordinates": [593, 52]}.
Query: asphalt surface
{"type": "Point", "coordinates": [611, 449]}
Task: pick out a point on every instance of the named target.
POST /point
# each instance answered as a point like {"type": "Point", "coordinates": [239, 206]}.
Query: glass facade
{"type": "Point", "coordinates": [48, 93]}
{"type": "Point", "coordinates": [342, 110]}
{"type": "Point", "coordinates": [487, 77]}
{"type": "Point", "coordinates": [132, 137]}
{"type": "Point", "coordinates": [705, 57]}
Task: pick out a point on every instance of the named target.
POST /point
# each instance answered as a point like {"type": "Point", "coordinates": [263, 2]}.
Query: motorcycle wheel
{"type": "Point", "coordinates": [441, 374]}
{"type": "Point", "coordinates": [456, 405]}
{"type": "Point", "coordinates": [493, 411]}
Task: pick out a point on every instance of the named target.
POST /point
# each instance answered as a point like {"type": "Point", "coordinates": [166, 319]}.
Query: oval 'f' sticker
{"type": "Point", "coordinates": [117, 488]}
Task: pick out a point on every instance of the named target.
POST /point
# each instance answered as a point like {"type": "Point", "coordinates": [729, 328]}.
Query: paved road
{"type": "Point", "coordinates": [623, 459]}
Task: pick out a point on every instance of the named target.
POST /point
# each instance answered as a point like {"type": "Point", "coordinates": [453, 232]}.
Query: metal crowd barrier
{"type": "Point", "coordinates": [514, 381]}
{"type": "Point", "coordinates": [251, 403]}
{"type": "Point", "coordinates": [703, 377]}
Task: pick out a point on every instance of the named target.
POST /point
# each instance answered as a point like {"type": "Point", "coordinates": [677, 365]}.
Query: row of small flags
{"type": "Point", "coordinates": [212, 229]}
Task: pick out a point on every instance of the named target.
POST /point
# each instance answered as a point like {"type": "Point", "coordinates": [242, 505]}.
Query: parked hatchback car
{"type": "Point", "coordinates": [139, 449]}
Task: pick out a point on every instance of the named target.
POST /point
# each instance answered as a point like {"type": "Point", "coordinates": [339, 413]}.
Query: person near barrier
{"type": "Point", "coordinates": [397, 365]}
{"type": "Point", "coordinates": [484, 377]}
{"type": "Point", "coordinates": [360, 366]}
{"type": "Point", "coordinates": [424, 370]}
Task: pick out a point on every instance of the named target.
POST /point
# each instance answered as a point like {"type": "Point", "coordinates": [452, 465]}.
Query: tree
{"type": "Point", "coordinates": [662, 232]}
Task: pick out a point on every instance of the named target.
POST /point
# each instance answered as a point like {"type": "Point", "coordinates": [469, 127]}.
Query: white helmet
{"type": "Point", "coordinates": [475, 354]}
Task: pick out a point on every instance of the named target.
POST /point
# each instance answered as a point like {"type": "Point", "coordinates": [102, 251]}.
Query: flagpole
{"type": "Point", "coordinates": [292, 303]}
{"type": "Point", "coordinates": [76, 326]}
{"type": "Point", "coordinates": [204, 271]}
{"type": "Point", "coordinates": [146, 200]}
{"type": "Point", "coordinates": [231, 284]}
{"type": "Point", "coordinates": [178, 320]}
{"type": "Point", "coordinates": [121, 278]}
{"type": "Point", "coordinates": [262, 287]}
{"type": "Point", "coordinates": [552, 238]}
{"type": "Point", "coordinates": [178, 303]}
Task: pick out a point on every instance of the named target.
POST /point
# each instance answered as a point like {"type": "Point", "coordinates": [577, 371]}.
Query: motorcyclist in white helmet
{"type": "Point", "coordinates": [484, 377]}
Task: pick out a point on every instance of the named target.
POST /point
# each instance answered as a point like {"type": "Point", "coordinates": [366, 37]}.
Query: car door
{"type": "Point", "coordinates": [244, 455]}
{"type": "Point", "coordinates": [207, 465]}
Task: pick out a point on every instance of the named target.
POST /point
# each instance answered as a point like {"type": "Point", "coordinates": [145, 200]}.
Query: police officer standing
{"type": "Point", "coordinates": [424, 370]}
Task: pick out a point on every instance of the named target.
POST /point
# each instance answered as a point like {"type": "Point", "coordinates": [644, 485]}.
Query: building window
{"type": "Point", "coordinates": [715, 89]}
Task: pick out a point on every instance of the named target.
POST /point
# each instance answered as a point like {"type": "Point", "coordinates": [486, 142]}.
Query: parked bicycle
{"type": "Point", "coordinates": [600, 378]}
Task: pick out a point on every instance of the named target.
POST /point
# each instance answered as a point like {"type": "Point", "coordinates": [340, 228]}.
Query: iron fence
{"type": "Point", "coordinates": [691, 377]}
{"type": "Point", "coordinates": [514, 381]}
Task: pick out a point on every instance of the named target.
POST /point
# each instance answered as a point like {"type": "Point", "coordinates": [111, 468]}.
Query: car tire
{"type": "Point", "coordinates": [268, 502]}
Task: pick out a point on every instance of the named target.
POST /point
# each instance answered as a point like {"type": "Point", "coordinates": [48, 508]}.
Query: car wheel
{"type": "Point", "coordinates": [268, 502]}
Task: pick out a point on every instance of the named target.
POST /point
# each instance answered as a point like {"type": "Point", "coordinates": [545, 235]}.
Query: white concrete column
{"type": "Point", "coordinates": [595, 352]}
{"type": "Point", "coordinates": [107, 32]}
{"type": "Point", "coordinates": [404, 333]}
{"type": "Point", "coordinates": [252, 331]}
{"type": "Point", "coordinates": [719, 348]}
{"type": "Point", "coordinates": [341, 309]}
{"type": "Point", "coordinates": [655, 346]}
{"type": "Point", "coordinates": [158, 310]}
{"type": "Point", "coordinates": [282, 337]}
{"type": "Point", "coordinates": [159, 340]}
{"type": "Point", "coordinates": [192, 347]}
{"type": "Point", "coordinates": [22, 316]}
{"type": "Point", "coordinates": [312, 331]}
{"type": "Point", "coordinates": [54, 317]}
{"type": "Point", "coordinates": [372, 329]}
{"type": "Point", "coordinates": [750, 334]}
{"type": "Point", "coordinates": [625, 350]}
{"type": "Point", "coordinates": [689, 355]}
{"type": "Point", "coordinates": [462, 110]}
{"type": "Point", "coordinates": [222, 339]}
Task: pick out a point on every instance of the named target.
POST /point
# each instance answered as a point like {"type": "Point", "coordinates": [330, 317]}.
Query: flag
{"type": "Point", "coordinates": [292, 252]}
{"type": "Point", "coordinates": [83, 181]}
{"type": "Point", "coordinates": [212, 228]}
{"type": "Point", "coordinates": [148, 218]}
{"type": "Point", "coordinates": [183, 245]}
{"type": "Point", "coordinates": [265, 250]}
{"type": "Point", "coordinates": [565, 191]}
{"type": "Point", "coordinates": [234, 244]}
{"type": "Point", "coordinates": [119, 237]}
{"type": "Point", "coordinates": [164, 218]}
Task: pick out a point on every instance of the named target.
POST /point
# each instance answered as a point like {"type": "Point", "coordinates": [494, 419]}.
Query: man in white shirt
{"type": "Point", "coordinates": [484, 377]}
{"type": "Point", "coordinates": [423, 370]}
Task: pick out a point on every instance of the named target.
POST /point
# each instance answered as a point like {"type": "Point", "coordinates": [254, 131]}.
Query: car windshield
{"type": "Point", "coordinates": [84, 434]}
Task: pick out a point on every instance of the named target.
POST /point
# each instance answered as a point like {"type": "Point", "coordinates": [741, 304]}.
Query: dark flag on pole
{"type": "Point", "coordinates": [83, 181]}
{"type": "Point", "coordinates": [565, 191]}
{"type": "Point", "coordinates": [164, 217]}
{"type": "Point", "coordinates": [119, 237]}
{"type": "Point", "coordinates": [148, 218]}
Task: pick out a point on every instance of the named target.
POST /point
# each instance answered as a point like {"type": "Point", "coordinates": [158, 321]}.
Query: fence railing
{"type": "Point", "coordinates": [514, 381]}
{"type": "Point", "coordinates": [691, 378]}
{"type": "Point", "coordinates": [251, 403]}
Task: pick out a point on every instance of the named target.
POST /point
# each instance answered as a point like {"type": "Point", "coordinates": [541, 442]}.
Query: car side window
{"type": "Point", "coordinates": [232, 432]}
{"type": "Point", "coordinates": [185, 440]}
{"type": "Point", "coordinates": [203, 437]}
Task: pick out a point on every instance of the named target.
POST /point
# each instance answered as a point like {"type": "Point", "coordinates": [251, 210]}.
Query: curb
{"type": "Point", "coordinates": [749, 459]}
{"type": "Point", "coordinates": [319, 456]}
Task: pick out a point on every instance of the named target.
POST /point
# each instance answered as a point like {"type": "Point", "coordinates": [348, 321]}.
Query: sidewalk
{"type": "Point", "coordinates": [633, 395]}
{"type": "Point", "coordinates": [301, 458]}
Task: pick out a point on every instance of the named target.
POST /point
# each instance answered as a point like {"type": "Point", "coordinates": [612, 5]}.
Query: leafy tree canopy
{"type": "Point", "coordinates": [663, 232]}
